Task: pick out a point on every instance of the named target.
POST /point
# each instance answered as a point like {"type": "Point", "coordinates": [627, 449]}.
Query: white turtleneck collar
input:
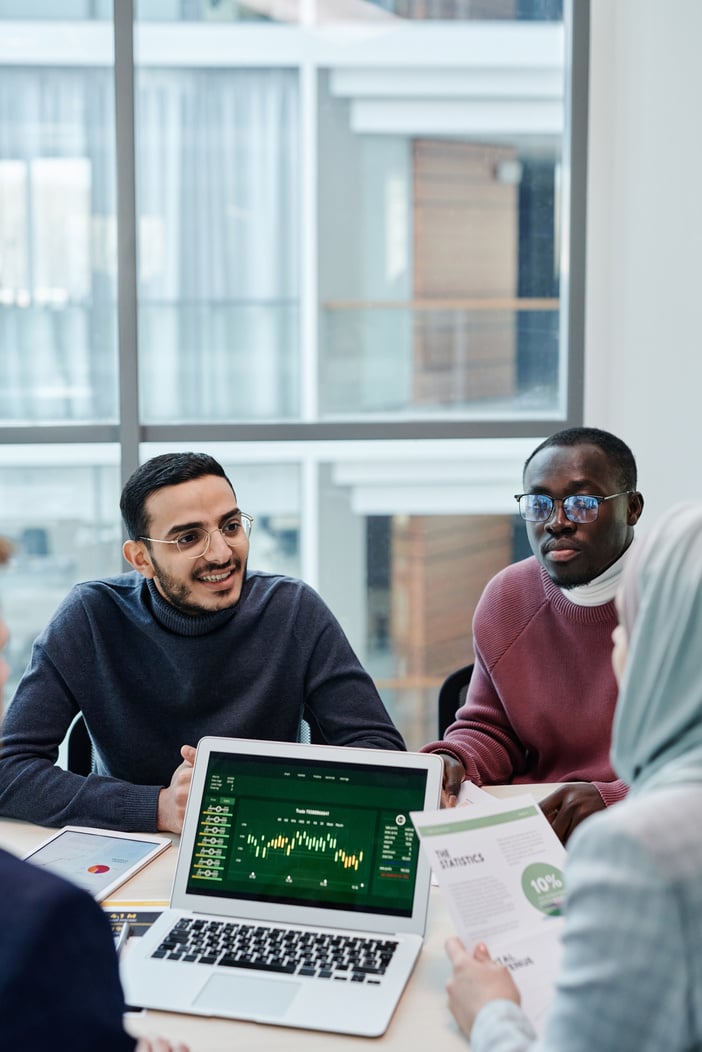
{"type": "Point", "coordinates": [600, 589]}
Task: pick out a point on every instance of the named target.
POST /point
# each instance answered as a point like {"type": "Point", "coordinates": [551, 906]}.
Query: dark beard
{"type": "Point", "coordinates": [177, 593]}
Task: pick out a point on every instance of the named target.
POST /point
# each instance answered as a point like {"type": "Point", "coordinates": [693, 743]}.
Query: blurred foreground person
{"type": "Point", "coordinates": [59, 980]}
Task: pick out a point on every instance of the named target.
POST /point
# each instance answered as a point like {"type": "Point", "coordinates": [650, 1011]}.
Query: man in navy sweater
{"type": "Point", "coordinates": [190, 643]}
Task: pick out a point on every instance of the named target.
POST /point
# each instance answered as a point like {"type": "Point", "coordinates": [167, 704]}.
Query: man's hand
{"type": "Point", "coordinates": [454, 773]}
{"type": "Point", "coordinates": [475, 982]}
{"type": "Point", "coordinates": [172, 801]}
{"type": "Point", "coordinates": [566, 807]}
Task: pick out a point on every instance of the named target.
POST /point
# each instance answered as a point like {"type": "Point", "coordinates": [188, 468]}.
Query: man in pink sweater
{"type": "Point", "coordinates": [541, 699]}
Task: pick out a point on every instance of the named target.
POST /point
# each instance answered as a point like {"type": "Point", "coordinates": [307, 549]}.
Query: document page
{"type": "Point", "coordinates": [470, 793]}
{"type": "Point", "coordinates": [500, 866]}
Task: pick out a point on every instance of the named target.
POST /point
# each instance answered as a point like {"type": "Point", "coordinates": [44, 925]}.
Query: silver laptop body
{"type": "Point", "coordinates": [282, 841]}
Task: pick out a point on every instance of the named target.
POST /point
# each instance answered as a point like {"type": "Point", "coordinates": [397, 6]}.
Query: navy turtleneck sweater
{"type": "Point", "coordinates": [149, 679]}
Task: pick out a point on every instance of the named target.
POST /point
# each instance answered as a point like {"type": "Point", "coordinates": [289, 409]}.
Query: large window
{"type": "Point", "coordinates": [337, 243]}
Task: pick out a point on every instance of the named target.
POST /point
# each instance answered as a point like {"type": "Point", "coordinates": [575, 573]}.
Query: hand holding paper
{"type": "Point", "coordinates": [500, 866]}
{"type": "Point", "coordinates": [476, 981]}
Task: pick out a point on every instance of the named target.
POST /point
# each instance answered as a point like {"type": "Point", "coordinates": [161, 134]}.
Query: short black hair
{"type": "Point", "coordinates": [617, 452]}
{"type": "Point", "coordinates": [168, 469]}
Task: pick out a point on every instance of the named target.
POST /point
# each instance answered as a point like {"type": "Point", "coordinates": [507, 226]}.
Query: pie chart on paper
{"type": "Point", "coordinates": [98, 869]}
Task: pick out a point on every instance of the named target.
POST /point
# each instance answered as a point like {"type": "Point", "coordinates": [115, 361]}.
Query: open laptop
{"type": "Point", "coordinates": [300, 894]}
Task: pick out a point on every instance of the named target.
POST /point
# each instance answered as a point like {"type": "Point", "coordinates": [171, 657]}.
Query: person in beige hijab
{"type": "Point", "coordinates": [631, 974]}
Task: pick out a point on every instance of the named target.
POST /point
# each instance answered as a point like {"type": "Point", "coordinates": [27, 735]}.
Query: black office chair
{"type": "Point", "coordinates": [80, 748]}
{"type": "Point", "coordinates": [310, 733]}
{"type": "Point", "coordinates": [452, 694]}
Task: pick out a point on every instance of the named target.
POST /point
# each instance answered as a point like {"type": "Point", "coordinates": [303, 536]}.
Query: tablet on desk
{"type": "Point", "coordinates": [98, 860]}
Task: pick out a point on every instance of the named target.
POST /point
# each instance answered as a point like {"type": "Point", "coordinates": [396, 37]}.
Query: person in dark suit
{"type": "Point", "coordinates": [59, 983]}
{"type": "Point", "coordinates": [59, 979]}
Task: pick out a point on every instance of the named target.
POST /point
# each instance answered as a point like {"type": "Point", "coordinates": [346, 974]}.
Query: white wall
{"type": "Point", "coordinates": [644, 276]}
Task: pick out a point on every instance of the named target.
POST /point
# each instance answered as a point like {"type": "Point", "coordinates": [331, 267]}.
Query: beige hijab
{"type": "Point", "coordinates": [657, 731]}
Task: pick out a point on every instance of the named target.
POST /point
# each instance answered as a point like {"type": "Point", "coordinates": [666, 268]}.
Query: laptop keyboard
{"type": "Point", "coordinates": [344, 958]}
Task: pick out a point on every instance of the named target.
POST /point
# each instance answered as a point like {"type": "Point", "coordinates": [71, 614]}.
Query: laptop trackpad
{"type": "Point", "coordinates": [247, 996]}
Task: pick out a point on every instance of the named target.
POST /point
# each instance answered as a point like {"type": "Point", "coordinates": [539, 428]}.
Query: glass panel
{"type": "Point", "coordinates": [425, 574]}
{"type": "Point", "coordinates": [218, 202]}
{"type": "Point", "coordinates": [57, 244]}
{"type": "Point", "coordinates": [222, 11]}
{"type": "Point", "coordinates": [410, 578]}
{"type": "Point", "coordinates": [61, 512]}
{"type": "Point", "coordinates": [530, 10]}
{"type": "Point", "coordinates": [227, 11]}
{"type": "Point", "coordinates": [55, 10]}
{"type": "Point", "coordinates": [439, 278]}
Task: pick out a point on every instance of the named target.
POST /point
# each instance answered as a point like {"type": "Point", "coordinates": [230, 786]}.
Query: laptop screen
{"type": "Point", "coordinates": [308, 832]}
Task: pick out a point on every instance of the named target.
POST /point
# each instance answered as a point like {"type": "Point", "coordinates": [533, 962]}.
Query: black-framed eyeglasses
{"type": "Point", "coordinates": [580, 507]}
{"type": "Point", "coordinates": [194, 542]}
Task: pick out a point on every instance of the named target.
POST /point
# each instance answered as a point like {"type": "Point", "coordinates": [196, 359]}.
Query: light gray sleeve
{"type": "Point", "coordinates": [501, 1026]}
{"type": "Point", "coordinates": [623, 982]}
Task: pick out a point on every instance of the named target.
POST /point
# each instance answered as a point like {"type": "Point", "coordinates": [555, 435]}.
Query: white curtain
{"type": "Point", "coordinates": [218, 200]}
{"type": "Point", "coordinates": [218, 231]}
{"type": "Point", "coordinates": [57, 325]}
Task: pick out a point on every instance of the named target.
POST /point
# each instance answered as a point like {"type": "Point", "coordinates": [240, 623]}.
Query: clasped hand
{"type": "Point", "coordinates": [453, 775]}
{"type": "Point", "coordinates": [567, 806]}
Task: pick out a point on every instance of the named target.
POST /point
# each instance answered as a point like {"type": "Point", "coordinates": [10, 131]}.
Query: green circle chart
{"type": "Point", "coordinates": [544, 887]}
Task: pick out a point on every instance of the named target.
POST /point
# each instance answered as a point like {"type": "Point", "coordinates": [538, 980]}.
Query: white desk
{"type": "Point", "coordinates": [421, 1022]}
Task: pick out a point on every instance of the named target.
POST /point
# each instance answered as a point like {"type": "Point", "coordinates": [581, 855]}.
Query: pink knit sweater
{"type": "Point", "coordinates": [542, 695]}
